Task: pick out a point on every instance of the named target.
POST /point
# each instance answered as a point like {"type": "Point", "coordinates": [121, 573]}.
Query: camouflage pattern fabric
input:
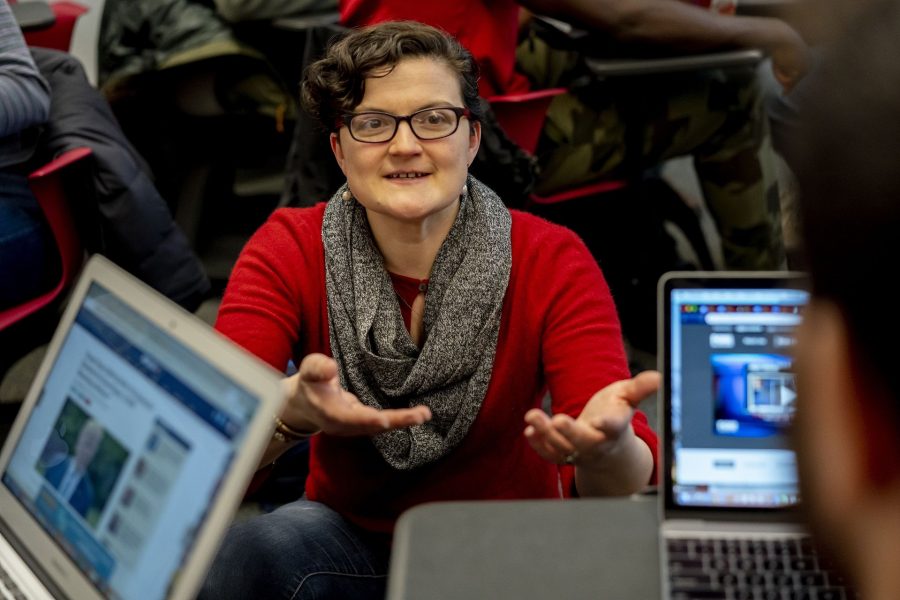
{"type": "Point", "coordinates": [714, 115]}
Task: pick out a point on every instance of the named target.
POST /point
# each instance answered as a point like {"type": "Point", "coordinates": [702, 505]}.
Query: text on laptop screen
{"type": "Point", "coordinates": [131, 430]}
{"type": "Point", "coordinates": [733, 396]}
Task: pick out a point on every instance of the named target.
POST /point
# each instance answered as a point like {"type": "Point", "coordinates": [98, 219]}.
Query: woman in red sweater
{"type": "Point", "coordinates": [429, 323]}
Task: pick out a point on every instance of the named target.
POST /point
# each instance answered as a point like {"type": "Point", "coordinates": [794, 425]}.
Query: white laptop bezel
{"type": "Point", "coordinates": [668, 510]}
{"type": "Point", "coordinates": [248, 371]}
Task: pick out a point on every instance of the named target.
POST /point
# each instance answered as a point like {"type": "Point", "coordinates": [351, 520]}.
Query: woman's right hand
{"type": "Point", "coordinates": [316, 402]}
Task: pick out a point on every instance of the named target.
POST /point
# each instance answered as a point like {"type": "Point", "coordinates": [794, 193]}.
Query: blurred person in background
{"type": "Point", "coordinates": [848, 419]}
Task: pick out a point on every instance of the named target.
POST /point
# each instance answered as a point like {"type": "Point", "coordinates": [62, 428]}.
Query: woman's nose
{"type": "Point", "coordinates": [405, 140]}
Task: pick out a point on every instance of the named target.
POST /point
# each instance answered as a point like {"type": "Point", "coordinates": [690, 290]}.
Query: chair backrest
{"type": "Point", "coordinates": [49, 186]}
{"type": "Point", "coordinates": [522, 115]}
{"type": "Point", "coordinates": [32, 16]}
{"type": "Point", "coordinates": [59, 35]}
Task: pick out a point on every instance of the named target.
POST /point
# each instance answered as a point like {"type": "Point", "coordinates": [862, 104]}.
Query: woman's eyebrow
{"type": "Point", "coordinates": [436, 104]}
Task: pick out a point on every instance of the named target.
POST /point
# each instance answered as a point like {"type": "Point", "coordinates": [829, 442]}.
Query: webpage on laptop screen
{"type": "Point", "coordinates": [733, 396]}
{"type": "Point", "coordinates": [126, 446]}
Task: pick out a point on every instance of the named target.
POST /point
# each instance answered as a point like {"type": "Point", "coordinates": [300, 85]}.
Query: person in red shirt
{"type": "Point", "coordinates": [429, 323]}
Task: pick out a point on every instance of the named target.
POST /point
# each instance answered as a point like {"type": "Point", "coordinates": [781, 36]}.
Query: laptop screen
{"type": "Point", "coordinates": [731, 392]}
{"type": "Point", "coordinates": [130, 438]}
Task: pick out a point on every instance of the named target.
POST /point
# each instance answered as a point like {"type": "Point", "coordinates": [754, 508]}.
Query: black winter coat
{"type": "Point", "coordinates": [125, 219]}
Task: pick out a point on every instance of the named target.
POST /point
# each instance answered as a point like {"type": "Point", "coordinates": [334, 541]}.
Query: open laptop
{"type": "Point", "coordinates": [729, 492]}
{"type": "Point", "coordinates": [131, 450]}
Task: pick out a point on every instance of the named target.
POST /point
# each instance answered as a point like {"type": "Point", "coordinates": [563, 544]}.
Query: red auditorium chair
{"type": "Point", "coordinates": [621, 218]}
{"type": "Point", "coordinates": [28, 325]}
{"type": "Point", "coordinates": [58, 34]}
{"type": "Point", "coordinates": [522, 117]}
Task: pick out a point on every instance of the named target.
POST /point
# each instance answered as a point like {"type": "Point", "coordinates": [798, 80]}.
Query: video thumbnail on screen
{"type": "Point", "coordinates": [754, 394]}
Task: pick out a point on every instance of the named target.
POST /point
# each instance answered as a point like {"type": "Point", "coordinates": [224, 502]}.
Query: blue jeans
{"type": "Point", "coordinates": [27, 259]}
{"type": "Point", "coordinates": [302, 550]}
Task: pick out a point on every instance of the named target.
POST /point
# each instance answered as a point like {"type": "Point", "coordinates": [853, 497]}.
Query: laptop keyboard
{"type": "Point", "coordinates": [751, 569]}
{"type": "Point", "coordinates": [8, 588]}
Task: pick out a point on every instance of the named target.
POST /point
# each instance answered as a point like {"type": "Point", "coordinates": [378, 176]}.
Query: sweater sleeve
{"type": "Point", "coordinates": [24, 94]}
{"type": "Point", "coordinates": [264, 300]}
{"type": "Point", "coordinates": [582, 341]}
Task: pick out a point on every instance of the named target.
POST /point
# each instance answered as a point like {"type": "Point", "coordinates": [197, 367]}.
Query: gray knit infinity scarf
{"type": "Point", "coordinates": [377, 359]}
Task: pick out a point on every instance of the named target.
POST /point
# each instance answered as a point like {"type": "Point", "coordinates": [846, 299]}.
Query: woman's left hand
{"type": "Point", "coordinates": [600, 433]}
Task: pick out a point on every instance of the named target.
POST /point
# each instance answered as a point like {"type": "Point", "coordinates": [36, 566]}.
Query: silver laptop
{"type": "Point", "coordinates": [132, 449]}
{"type": "Point", "coordinates": [729, 493]}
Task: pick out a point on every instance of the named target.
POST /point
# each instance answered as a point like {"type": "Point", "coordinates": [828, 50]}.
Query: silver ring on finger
{"type": "Point", "coordinates": [571, 458]}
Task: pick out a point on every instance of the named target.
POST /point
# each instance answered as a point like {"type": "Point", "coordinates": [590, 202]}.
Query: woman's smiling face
{"type": "Point", "coordinates": [407, 179]}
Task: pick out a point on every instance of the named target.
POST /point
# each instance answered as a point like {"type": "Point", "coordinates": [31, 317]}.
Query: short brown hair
{"type": "Point", "coordinates": [335, 84]}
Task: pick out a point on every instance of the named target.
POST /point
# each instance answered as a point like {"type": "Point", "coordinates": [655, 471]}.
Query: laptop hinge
{"type": "Point", "coordinates": [39, 573]}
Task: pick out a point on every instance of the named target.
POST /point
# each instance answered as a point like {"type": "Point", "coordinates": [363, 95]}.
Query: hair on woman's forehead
{"type": "Point", "coordinates": [376, 51]}
{"type": "Point", "coordinates": [336, 84]}
{"type": "Point", "coordinates": [421, 80]}
{"type": "Point", "coordinates": [387, 68]}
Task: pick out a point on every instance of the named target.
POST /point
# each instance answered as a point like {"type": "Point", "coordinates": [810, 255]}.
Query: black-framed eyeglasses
{"type": "Point", "coordinates": [427, 124]}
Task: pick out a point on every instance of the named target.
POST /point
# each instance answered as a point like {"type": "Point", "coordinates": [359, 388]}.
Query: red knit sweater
{"type": "Point", "coordinates": [558, 330]}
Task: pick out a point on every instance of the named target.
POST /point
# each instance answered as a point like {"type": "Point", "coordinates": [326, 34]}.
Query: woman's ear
{"type": "Point", "coordinates": [337, 150]}
{"type": "Point", "coordinates": [474, 140]}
